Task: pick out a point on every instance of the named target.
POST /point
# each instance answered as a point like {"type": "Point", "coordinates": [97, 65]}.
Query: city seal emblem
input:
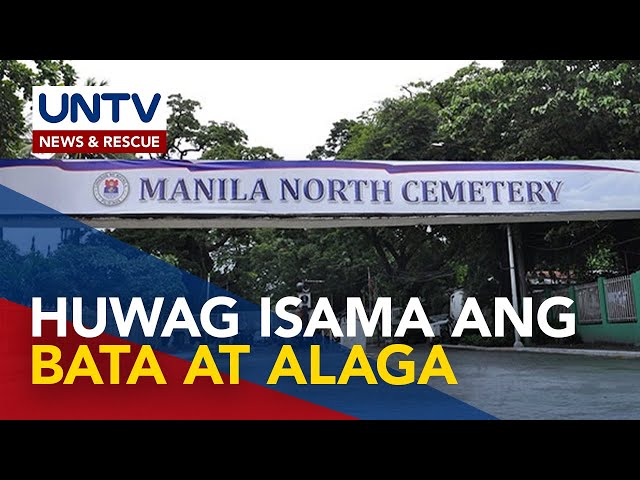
{"type": "Point", "coordinates": [111, 189]}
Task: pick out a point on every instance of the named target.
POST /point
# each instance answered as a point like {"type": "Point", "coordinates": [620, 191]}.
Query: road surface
{"type": "Point", "coordinates": [517, 385]}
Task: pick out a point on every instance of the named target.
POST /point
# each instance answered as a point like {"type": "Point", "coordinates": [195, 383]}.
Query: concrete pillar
{"type": "Point", "coordinates": [635, 286]}
{"type": "Point", "coordinates": [574, 307]}
{"type": "Point", "coordinates": [602, 294]}
{"type": "Point", "coordinates": [514, 290]}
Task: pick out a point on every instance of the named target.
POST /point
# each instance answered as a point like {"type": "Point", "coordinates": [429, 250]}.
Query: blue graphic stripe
{"type": "Point", "coordinates": [406, 167]}
{"type": "Point", "coordinates": [74, 260]}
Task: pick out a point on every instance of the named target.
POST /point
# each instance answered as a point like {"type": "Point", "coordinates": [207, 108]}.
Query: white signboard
{"type": "Point", "coordinates": [326, 188]}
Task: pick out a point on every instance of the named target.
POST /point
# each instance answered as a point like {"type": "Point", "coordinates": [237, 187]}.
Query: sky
{"type": "Point", "coordinates": [288, 105]}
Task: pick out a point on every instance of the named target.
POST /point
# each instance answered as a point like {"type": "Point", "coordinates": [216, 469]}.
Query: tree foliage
{"type": "Point", "coordinates": [186, 135]}
{"type": "Point", "coordinates": [550, 109]}
{"type": "Point", "coordinates": [545, 109]}
{"type": "Point", "coordinates": [525, 110]}
{"type": "Point", "coordinates": [194, 249]}
{"type": "Point", "coordinates": [16, 82]}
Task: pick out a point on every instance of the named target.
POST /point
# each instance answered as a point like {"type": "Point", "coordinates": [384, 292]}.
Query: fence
{"type": "Point", "coordinates": [619, 297]}
{"type": "Point", "coordinates": [606, 310]}
{"type": "Point", "coordinates": [587, 300]}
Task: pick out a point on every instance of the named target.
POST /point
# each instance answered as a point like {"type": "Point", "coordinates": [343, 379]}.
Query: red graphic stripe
{"type": "Point", "coordinates": [20, 399]}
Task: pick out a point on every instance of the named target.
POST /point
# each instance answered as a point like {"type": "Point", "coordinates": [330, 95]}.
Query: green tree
{"type": "Point", "coordinates": [407, 261]}
{"type": "Point", "coordinates": [16, 81]}
{"type": "Point", "coordinates": [340, 135]}
{"type": "Point", "coordinates": [188, 249]}
{"type": "Point", "coordinates": [542, 109]}
{"type": "Point", "coordinates": [526, 110]}
{"type": "Point", "coordinates": [272, 261]}
{"type": "Point", "coordinates": [192, 249]}
{"type": "Point", "coordinates": [550, 109]}
{"type": "Point", "coordinates": [211, 141]}
{"type": "Point", "coordinates": [399, 129]}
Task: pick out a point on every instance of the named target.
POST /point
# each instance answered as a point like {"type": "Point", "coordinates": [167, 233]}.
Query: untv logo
{"type": "Point", "coordinates": [99, 120]}
{"type": "Point", "coordinates": [77, 102]}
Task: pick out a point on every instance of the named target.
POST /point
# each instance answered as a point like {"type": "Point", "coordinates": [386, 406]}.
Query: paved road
{"type": "Point", "coordinates": [516, 385]}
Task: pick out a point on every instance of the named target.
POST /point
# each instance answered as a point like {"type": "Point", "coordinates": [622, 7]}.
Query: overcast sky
{"type": "Point", "coordinates": [288, 105]}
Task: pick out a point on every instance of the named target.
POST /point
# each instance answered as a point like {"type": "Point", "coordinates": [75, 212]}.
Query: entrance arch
{"type": "Point", "coordinates": [324, 194]}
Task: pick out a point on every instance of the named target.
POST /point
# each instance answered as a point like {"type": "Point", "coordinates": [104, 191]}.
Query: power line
{"type": "Point", "coordinates": [552, 249]}
{"type": "Point", "coordinates": [626, 241]}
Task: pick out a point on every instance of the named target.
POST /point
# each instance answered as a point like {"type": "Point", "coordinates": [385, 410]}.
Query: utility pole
{"type": "Point", "coordinates": [370, 287]}
{"type": "Point", "coordinates": [514, 290]}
